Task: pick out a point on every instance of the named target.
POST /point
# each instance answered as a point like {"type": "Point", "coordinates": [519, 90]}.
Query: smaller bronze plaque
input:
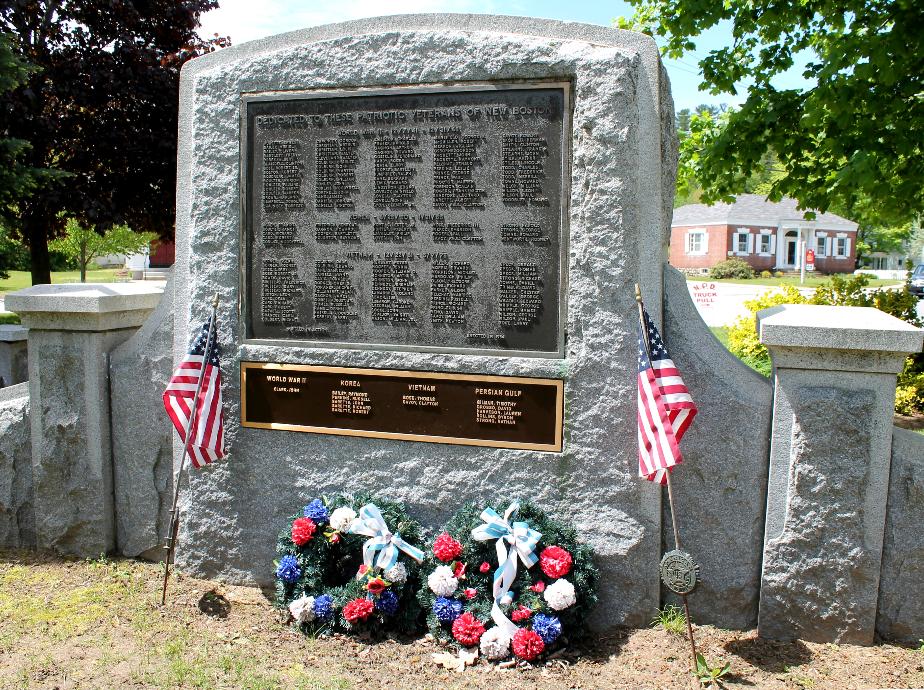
{"type": "Point", "coordinates": [464, 409]}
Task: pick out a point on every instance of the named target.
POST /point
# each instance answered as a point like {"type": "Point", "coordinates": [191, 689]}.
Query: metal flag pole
{"type": "Point", "coordinates": [670, 490]}
{"type": "Point", "coordinates": [174, 512]}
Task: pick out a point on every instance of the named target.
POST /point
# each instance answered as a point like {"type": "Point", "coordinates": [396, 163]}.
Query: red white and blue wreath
{"type": "Point", "coordinates": [508, 585]}
{"type": "Point", "coordinates": [341, 567]}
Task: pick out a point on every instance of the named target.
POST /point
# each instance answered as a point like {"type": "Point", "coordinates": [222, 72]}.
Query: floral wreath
{"type": "Point", "coordinates": [341, 567]}
{"type": "Point", "coordinates": [482, 587]}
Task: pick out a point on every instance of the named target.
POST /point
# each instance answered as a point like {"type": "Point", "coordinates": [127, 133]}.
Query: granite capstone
{"type": "Point", "coordinates": [621, 109]}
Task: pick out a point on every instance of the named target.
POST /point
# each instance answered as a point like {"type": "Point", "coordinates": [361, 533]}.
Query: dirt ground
{"type": "Point", "coordinates": [96, 624]}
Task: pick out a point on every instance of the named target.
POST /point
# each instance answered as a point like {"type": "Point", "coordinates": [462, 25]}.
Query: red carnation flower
{"type": "Point", "coordinates": [446, 548]}
{"type": "Point", "coordinates": [521, 614]}
{"type": "Point", "coordinates": [555, 562]}
{"type": "Point", "coordinates": [303, 530]}
{"type": "Point", "coordinates": [470, 593]}
{"type": "Point", "coordinates": [458, 570]}
{"type": "Point", "coordinates": [539, 587]}
{"type": "Point", "coordinates": [468, 630]}
{"type": "Point", "coordinates": [484, 567]}
{"type": "Point", "coordinates": [527, 644]}
{"type": "Point", "coordinates": [376, 585]}
{"type": "Point", "coordinates": [362, 569]}
{"type": "Point", "coordinates": [358, 610]}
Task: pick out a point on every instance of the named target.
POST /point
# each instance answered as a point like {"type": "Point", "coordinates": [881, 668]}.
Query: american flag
{"type": "Point", "coordinates": [208, 433]}
{"type": "Point", "coordinates": [665, 408]}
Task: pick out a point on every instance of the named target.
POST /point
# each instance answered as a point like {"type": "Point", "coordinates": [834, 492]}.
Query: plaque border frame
{"type": "Point", "coordinates": [558, 384]}
{"type": "Point", "coordinates": [567, 87]}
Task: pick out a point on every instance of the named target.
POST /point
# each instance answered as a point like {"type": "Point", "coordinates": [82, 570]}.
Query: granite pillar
{"type": "Point", "coordinates": [834, 390]}
{"type": "Point", "coordinates": [72, 329]}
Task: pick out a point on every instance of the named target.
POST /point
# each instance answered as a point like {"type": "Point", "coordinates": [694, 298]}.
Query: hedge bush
{"type": "Point", "coordinates": [732, 268]}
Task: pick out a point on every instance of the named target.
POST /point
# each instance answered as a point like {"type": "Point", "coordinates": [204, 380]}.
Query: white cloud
{"type": "Point", "coordinates": [246, 20]}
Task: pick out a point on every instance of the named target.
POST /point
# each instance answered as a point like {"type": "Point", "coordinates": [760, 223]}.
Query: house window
{"type": "Point", "coordinates": [696, 242]}
{"type": "Point", "coordinates": [820, 245]}
{"type": "Point", "coordinates": [765, 244]}
{"type": "Point", "coordinates": [841, 250]}
{"type": "Point", "coordinates": [741, 242]}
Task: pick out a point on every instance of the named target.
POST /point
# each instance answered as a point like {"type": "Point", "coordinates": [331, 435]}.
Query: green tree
{"type": "Point", "coordinates": [853, 142]}
{"type": "Point", "coordinates": [99, 112]}
{"type": "Point", "coordinates": [82, 244]}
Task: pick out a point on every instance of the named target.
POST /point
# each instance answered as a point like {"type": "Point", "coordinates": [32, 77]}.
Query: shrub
{"type": "Point", "coordinates": [743, 340]}
{"type": "Point", "coordinates": [778, 274]}
{"type": "Point", "coordinates": [732, 268]}
{"type": "Point", "coordinates": [766, 274]}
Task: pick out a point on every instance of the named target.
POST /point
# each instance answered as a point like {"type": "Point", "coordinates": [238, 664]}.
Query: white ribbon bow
{"type": "Point", "coordinates": [382, 549]}
{"type": "Point", "coordinates": [522, 543]}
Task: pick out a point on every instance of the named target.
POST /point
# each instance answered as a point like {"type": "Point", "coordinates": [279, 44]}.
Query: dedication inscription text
{"type": "Point", "coordinates": [496, 411]}
{"type": "Point", "coordinates": [421, 217]}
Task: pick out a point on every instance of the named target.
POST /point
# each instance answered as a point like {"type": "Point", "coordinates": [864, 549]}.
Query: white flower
{"type": "Point", "coordinates": [495, 643]}
{"type": "Point", "coordinates": [442, 582]}
{"type": "Point", "coordinates": [302, 609]}
{"type": "Point", "coordinates": [396, 573]}
{"type": "Point", "coordinates": [559, 594]}
{"type": "Point", "coordinates": [342, 518]}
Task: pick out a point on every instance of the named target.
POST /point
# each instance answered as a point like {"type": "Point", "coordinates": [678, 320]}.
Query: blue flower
{"type": "Point", "coordinates": [323, 607]}
{"type": "Point", "coordinates": [387, 602]}
{"type": "Point", "coordinates": [288, 570]}
{"type": "Point", "coordinates": [317, 512]}
{"type": "Point", "coordinates": [546, 627]}
{"type": "Point", "coordinates": [447, 610]}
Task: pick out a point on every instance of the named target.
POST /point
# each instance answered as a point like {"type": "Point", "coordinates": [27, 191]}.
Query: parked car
{"type": "Point", "coordinates": [917, 281]}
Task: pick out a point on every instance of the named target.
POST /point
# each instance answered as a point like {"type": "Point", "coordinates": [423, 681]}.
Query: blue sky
{"type": "Point", "coordinates": [246, 20]}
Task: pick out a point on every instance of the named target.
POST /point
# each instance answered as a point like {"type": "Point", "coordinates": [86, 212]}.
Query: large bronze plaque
{"type": "Point", "coordinates": [424, 218]}
{"type": "Point", "coordinates": [496, 411]}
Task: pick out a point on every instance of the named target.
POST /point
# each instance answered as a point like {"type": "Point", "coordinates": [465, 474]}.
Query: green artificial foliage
{"type": "Point", "coordinates": [331, 566]}
{"type": "Point", "coordinates": [583, 574]}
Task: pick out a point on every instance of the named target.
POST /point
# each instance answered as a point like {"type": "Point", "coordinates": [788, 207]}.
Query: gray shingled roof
{"type": "Point", "coordinates": [754, 209]}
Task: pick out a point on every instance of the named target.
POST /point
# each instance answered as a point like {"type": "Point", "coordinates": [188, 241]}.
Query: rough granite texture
{"type": "Point", "coordinates": [818, 569]}
{"type": "Point", "coordinates": [142, 450]}
{"type": "Point", "coordinates": [17, 514]}
{"type": "Point", "coordinates": [720, 490]}
{"type": "Point", "coordinates": [619, 219]}
{"type": "Point", "coordinates": [901, 593]}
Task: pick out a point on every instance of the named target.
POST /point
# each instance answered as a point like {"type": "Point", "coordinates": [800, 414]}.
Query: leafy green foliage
{"type": "Point", "coordinates": [82, 244]}
{"type": "Point", "coordinates": [672, 619]}
{"type": "Point", "coordinates": [709, 675]}
{"type": "Point", "coordinates": [732, 268]}
{"type": "Point", "coordinates": [96, 113]}
{"type": "Point", "coordinates": [331, 567]}
{"type": "Point", "coordinates": [583, 573]}
{"type": "Point", "coordinates": [851, 142]}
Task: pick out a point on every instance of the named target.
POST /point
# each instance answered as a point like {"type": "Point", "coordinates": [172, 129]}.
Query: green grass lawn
{"type": "Point", "coordinates": [720, 332]}
{"type": "Point", "coordinates": [22, 279]}
{"type": "Point", "coordinates": [810, 280]}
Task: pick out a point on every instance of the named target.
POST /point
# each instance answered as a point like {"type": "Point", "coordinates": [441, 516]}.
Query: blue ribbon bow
{"type": "Point", "coordinates": [382, 549]}
{"type": "Point", "coordinates": [522, 543]}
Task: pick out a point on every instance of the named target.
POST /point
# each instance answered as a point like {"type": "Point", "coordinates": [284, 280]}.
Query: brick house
{"type": "Point", "coordinates": [766, 234]}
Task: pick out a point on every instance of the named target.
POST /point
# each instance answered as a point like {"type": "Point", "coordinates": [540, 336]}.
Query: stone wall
{"type": "Point", "coordinates": [17, 513]}
{"type": "Point", "coordinates": [901, 583]}
{"type": "Point", "coordinates": [624, 155]}
{"type": "Point", "coordinates": [142, 450]}
{"type": "Point", "coordinates": [720, 490]}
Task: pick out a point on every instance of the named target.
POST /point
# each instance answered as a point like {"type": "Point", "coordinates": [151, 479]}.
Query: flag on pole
{"type": "Point", "coordinates": [207, 429]}
{"type": "Point", "coordinates": [665, 407]}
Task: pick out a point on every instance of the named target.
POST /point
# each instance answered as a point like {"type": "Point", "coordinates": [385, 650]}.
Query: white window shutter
{"type": "Point", "coordinates": [828, 251]}
{"type": "Point", "coordinates": [847, 243]}
{"type": "Point", "coordinates": [772, 244]}
{"type": "Point", "coordinates": [705, 242]}
{"type": "Point", "coordinates": [750, 243]}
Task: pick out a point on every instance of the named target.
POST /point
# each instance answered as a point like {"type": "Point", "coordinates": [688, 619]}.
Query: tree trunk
{"type": "Point", "coordinates": [35, 224]}
{"type": "Point", "coordinates": [83, 263]}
